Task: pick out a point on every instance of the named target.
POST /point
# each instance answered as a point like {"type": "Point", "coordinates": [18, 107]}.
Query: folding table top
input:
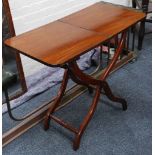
{"type": "Point", "coordinates": [62, 41]}
{"type": "Point", "coordinates": [105, 18]}
{"type": "Point", "coordinates": [55, 43]}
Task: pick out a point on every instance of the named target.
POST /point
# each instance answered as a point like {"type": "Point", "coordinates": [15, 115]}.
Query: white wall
{"type": "Point", "coordinates": [29, 14]}
{"type": "Point", "coordinates": [121, 2]}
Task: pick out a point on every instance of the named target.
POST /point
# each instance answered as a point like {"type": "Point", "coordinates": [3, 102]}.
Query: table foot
{"type": "Point", "coordinates": [87, 119]}
{"type": "Point", "coordinates": [112, 97]}
{"type": "Point", "coordinates": [46, 123]}
{"type": "Point", "coordinates": [76, 143]}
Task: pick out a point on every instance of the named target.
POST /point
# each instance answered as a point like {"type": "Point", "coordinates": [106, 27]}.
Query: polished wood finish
{"type": "Point", "coordinates": [61, 44]}
{"type": "Point", "coordinates": [104, 18]}
{"type": "Point", "coordinates": [39, 113]}
{"type": "Point", "coordinates": [56, 43]}
{"type": "Point", "coordinates": [73, 69]}
{"type": "Point", "coordinates": [57, 101]}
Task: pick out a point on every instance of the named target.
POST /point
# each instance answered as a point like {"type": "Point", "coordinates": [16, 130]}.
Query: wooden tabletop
{"type": "Point", "coordinates": [59, 42]}
{"type": "Point", "coordinates": [55, 43]}
{"type": "Point", "coordinates": [105, 18]}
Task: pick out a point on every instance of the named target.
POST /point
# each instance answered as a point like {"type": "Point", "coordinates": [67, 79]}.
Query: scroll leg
{"type": "Point", "coordinates": [79, 81]}
{"type": "Point", "coordinates": [86, 120]}
{"type": "Point", "coordinates": [110, 95]}
{"type": "Point", "coordinates": [57, 101]}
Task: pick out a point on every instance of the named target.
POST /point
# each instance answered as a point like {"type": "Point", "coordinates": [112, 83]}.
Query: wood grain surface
{"type": "Point", "coordinates": [62, 41]}
{"type": "Point", "coordinates": [55, 43]}
{"type": "Point", "coordinates": [105, 18]}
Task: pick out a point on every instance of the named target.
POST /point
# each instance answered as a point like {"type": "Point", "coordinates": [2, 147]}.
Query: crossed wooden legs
{"type": "Point", "coordinates": [72, 70]}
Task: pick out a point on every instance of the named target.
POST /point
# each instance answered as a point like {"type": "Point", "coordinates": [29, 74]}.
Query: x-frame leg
{"type": "Point", "coordinates": [72, 70]}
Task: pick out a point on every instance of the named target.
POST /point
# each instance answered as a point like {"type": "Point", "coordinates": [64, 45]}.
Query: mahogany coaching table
{"type": "Point", "coordinates": [61, 43]}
